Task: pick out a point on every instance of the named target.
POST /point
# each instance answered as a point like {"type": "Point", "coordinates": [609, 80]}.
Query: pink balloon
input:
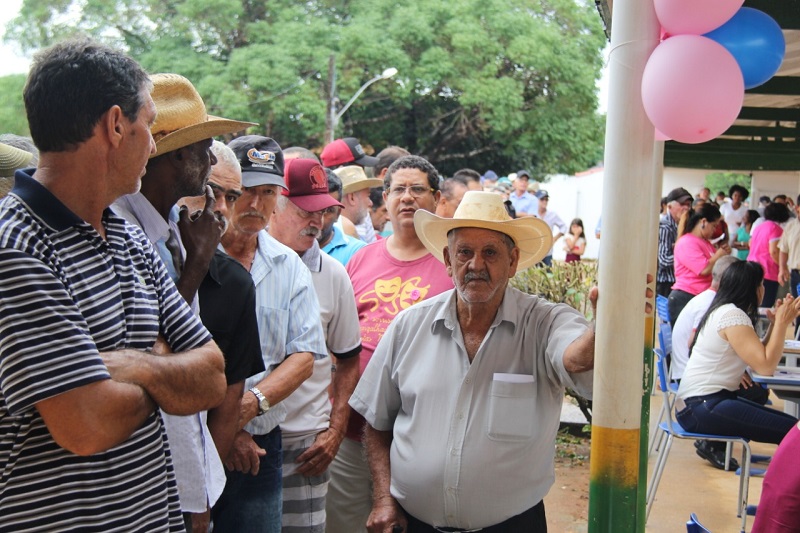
{"type": "Point", "coordinates": [692, 89]}
{"type": "Point", "coordinates": [661, 137]}
{"type": "Point", "coordinates": [694, 17]}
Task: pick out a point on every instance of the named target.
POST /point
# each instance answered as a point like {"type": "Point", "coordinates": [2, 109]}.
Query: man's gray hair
{"type": "Point", "coordinates": [720, 267]}
{"type": "Point", "coordinates": [224, 154]}
{"type": "Point", "coordinates": [282, 202]}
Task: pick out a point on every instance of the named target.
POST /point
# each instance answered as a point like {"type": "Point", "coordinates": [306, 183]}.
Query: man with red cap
{"type": "Point", "coordinates": [347, 151]}
{"type": "Point", "coordinates": [314, 428]}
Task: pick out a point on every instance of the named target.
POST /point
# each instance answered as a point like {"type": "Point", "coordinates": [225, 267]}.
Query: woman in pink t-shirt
{"type": "Point", "coordinates": [764, 248]}
{"type": "Point", "coordinates": [695, 257]}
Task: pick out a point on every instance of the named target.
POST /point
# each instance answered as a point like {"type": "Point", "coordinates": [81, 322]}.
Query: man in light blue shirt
{"type": "Point", "coordinates": [332, 240]}
{"type": "Point", "coordinates": [291, 339]}
{"type": "Point", "coordinates": [525, 204]}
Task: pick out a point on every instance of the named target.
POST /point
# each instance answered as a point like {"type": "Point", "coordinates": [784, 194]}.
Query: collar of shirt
{"type": "Point", "coordinates": [312, 257]}
{"type": "Point", "coordinates": [338, 239]}
{"type": "Point", "coordinates": [151, 222]}
{"type": "Point", "coordinates": [507, 312]}
{"type": "Point", "coordinates": [268, 253]}
{"type": "Point", "coordinates": [42, 202]}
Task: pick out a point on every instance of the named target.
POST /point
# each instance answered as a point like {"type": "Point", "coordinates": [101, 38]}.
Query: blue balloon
{"type": "Point", "coordinates": [756, 42]}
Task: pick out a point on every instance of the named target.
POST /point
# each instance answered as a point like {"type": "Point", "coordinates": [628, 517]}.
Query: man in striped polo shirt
{"type": "Point", "coordinates": [94, 336]}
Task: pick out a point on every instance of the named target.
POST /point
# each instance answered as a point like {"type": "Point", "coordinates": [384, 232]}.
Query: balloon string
{"type": "Point", "coordinates": [624, 44]}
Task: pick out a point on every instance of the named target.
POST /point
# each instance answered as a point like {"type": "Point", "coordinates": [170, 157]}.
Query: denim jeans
{"type": "Point", "coordinates": [253, 503]}
{"type": "Point", "coordinates": [723, 413]}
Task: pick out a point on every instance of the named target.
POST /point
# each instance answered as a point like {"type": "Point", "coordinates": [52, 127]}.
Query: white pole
{"type": "Point", "coordinates": [625, 250]}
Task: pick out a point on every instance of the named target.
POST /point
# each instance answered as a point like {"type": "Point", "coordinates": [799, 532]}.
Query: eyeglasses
{"type": "Point", "coordinates": [416, 191]}
{"type": "Point", "coordinates": [334, 209]}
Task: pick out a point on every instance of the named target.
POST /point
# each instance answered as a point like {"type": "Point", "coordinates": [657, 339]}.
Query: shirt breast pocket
{"type": "Point", "coordinates": [511, 408]}
{"type": "Point", "coordinates": [272, 329]}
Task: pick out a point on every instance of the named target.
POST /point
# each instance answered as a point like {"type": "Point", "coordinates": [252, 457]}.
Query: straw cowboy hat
{"type": "Point", "coordinates": [486, 210]}
{"type": "Point", "coordinates": [182, 118]}
{"type": "Point", "coordinates": [355, 179]}
{"type": "Point", "coordinates": [12, 158]}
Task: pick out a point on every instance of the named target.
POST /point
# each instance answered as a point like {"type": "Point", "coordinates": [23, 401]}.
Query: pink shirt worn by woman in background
{"type": "Point", "coordinates": [692, 254]}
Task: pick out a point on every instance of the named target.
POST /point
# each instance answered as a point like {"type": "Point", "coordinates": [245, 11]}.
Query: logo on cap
{"type": "Point", "coordinates": [318, 177]}
{"type": "Point", "coordinates": [360, 151]}
{"type": "Point", "coordinates": [261, 159]}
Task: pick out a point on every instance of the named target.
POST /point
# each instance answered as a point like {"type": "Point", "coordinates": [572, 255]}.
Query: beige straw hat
{"type": "Point", "coordinates": [354, 179]}
{"type": "Point", "coordinates": [182, 118]}
{"type": "Point", "coordinates": [486, 210]}
{"type": "Point", "coordinates": [11, 159]}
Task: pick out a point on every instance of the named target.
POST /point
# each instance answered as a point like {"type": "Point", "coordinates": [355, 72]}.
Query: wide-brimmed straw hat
{"type": "Point", "coordinates": [11, 159]}
{"type": "Point", "coordinates": [486, 210]}
{"type": "Point", "coordinates": [354, 179]}
{"type": "Point", "coordinates": [182, 118]}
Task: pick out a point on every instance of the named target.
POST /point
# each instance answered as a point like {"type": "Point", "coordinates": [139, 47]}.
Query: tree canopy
{"type": "Point", "coordinates": [501, 84]}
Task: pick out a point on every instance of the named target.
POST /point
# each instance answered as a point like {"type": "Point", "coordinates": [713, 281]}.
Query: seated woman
{"type": "Point", "coordinates": [725, 345]}
{"type": "Point", "coordinates": [695, 257]}
{"type": "Point", "coordinates": [779, 507]}
{"type": "Point", "coordinates": [575, 241]}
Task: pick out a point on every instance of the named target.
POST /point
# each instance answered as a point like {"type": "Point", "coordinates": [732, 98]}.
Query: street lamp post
{"type": "Point", "coordinates": [332, 120]}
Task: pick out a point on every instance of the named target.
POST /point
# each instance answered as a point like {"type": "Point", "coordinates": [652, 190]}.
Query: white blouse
{"type": "Point", "coordinates": [713, 364]}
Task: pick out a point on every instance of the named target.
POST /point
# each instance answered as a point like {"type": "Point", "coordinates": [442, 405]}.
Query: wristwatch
{"type": "Point", "coordinates": [263, 403]}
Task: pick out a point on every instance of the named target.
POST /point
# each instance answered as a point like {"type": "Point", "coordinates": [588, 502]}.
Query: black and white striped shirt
{"type": "Point", "coordinates": [67, 295]}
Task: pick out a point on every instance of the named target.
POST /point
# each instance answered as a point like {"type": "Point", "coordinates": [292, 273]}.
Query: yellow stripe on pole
{"type": "Point", "coordinates": [617, 458]}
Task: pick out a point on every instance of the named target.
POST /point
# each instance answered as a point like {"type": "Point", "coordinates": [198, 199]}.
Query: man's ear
{"type": "Point", "coordinates": [514, 262]}
{"type": "Point", "coordinates": [114, 125]}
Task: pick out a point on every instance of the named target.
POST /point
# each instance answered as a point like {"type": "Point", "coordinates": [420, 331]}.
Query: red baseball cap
{"type": "Point", "coordinates": [308, 185]}
{"type": "Point", "coordinates": [346, 151]}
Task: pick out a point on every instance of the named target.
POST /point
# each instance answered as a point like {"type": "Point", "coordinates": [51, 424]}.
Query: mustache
{"type": "Point", "coordinates": [310, 232]}
{"type": "Point", "coordinates": [252, 214]}
{"type": "Point", "coordinates": [470, 276]}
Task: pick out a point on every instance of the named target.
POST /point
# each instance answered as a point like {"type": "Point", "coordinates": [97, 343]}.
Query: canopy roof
{"type": "Point", "coordinates": [766, 135]}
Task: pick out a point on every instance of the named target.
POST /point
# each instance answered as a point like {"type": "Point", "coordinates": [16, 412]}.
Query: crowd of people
{"type": "Point", "coordinates": [721, 264]}
{"type": "Point", "coordinates": [205, 336]}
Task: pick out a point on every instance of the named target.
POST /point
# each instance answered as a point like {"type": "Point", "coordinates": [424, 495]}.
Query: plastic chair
{"type": "Point", "coordinates": [665, 343]}
{"type": "Point", "coordinates": [694, 525]}
{"type": "Point", "coordinates": [672, 429]}
{"type": "Point", "coordinates": [662, 307]}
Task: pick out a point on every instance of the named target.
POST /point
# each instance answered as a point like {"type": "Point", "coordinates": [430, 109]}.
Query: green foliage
{"type": "Point", "coordinates": [12, 109]}
{"type": "Point", "coordinates": [722, 181]}
{"type": "Point", "coordinates": [500, 84]}
{"type": "Point", "coordinates": [567, 283]}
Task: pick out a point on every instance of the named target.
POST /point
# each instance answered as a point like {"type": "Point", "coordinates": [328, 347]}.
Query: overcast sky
{"type": "Point", "coordinates": [11, 60]}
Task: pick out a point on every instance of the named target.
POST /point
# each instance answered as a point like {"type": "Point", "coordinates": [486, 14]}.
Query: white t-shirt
{"type": "Point", "coordinates": [308, 408]}
{"type": "Point", "coordinates": [714, 364]}
{"type": "Point", "coordinates": [733, 218]}
{"type": "Point", "coordinates": [687, 322]}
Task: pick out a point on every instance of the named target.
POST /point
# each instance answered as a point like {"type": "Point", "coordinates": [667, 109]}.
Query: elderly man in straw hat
{"type": "Point", "coordinates": [180, 167]}
{"type": "Point", "coordinates": [463, 394]}
{"type": "Point", "coordinates": [89, 313]}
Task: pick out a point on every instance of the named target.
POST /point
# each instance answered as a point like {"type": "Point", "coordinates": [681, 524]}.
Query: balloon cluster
{"type": "Point", "coordinates": [694, 81]}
